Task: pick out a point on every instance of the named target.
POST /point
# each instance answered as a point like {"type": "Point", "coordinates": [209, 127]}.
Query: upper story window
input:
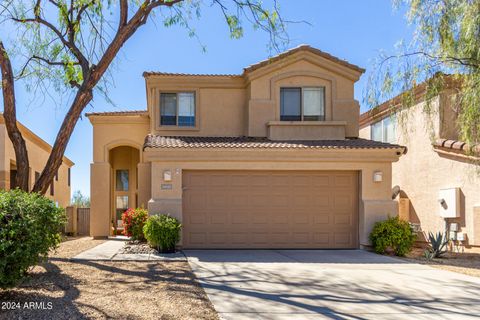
{"type": "Point", "coordinates": [384, 130]}
{"type": "Point", "coordinates": [302, 104]}
{"type": "Point", "coordinates": [177, 109]}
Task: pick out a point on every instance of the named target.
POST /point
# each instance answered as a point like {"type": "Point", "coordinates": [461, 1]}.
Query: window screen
{"type": "Point", "coordinates": [186, 109]}
{"type": "Point", "coordinates": [377, 131]}
{"type": "Point", "coordinates": [389, 130]}
{"type": "Point", "coordinates": [384, 130]}
{"type": "Point", "coordinates": [313, 104]}
{"type": "Point", "coordinates": [168, 109]}
{"type": "Point", "coordinates": [290, 104]}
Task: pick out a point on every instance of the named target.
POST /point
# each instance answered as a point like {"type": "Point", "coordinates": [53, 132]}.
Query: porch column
{"type": "Point", "coordinates": [144, 184]}
{"type": "Point", "coordinates": [100, 197]}
{"type": "Point", "coordinates": [166, 195]}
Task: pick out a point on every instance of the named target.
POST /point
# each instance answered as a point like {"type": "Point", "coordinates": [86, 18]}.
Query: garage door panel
{"type": "Point", "coordinates": [197, 218]}
{"type": "Point", "coordinates": [322, 239]}
{"type": "Point", "coordinates": [274, 209]}
{"type": "Point", "coordinates": [322, 218]}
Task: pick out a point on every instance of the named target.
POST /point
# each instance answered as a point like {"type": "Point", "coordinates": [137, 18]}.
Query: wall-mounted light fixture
{"type": "Point", "coordinates": [167, 175]}
{"type": "Point", "coordinates": [378, 176]}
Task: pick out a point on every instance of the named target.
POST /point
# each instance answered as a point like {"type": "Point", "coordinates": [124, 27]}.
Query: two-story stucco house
{"type": "Point", "coordinates": [269, 158]}
{"type": "Point", "coordinates": [438, 177]}
{"type": "Point", "coordinates": [38, 152]}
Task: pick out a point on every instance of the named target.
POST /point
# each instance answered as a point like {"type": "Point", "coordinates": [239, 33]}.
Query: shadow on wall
{"type": "Point", "coordinates": [414, 218]}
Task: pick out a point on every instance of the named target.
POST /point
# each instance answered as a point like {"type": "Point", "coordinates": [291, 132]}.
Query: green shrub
{"type": "Point", "coordinates": [30, 227]}
{"type": "Point", "coordinates": [133, 222]}
{"type": "Point", "coordinates": [162, 232]}
{"type": "Point", "coordinates": [394, 234]}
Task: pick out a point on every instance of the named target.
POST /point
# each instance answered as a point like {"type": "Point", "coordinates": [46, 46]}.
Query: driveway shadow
{"type": "Point", "coordinates": [292, 256]}
{"type": "Point", "coordinates": [339, 284]}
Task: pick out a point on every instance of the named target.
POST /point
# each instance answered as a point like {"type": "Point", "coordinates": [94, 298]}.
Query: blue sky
{"type": "Point", "coordinates": [349, 29]}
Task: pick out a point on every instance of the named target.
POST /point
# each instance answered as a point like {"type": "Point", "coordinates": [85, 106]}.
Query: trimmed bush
{"type": "Point", "coordinates": [133, 222]}
{"type": "Point", "coordinates": [392, 234]}
{"type": "Point", "coordinates": [162, 232]}
{"type": "Point", "coordinates": [30, 227]}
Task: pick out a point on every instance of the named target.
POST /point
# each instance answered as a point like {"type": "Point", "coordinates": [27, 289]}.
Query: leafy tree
{"type": "Point", "coordinates": [72, 44]}
{"type": "Point", "coordinates": [80, 200]}
{"type": "Point", "coordinates": [446, 41]}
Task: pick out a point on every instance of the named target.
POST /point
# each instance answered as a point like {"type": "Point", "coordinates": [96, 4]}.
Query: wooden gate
{"type": "Point", "coordinates": [83, 221]}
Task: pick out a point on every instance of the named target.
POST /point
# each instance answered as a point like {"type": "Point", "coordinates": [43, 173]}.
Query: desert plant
{"type": "Point", "coordinates": [392, 234]}
{"type": "Point", "coordinates": [162, 232]}
{"type": "Point", "coordinates": [133, 222]}
{"type": "Point", "coordinates": [29, 229]}
{"type": "Point", "coordinates": [437, 244]}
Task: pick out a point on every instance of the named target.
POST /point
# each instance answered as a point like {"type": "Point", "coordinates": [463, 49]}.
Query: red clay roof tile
{"type": "Point", "coordinates": [118, 113]}
{"type": "Point", "coordinates": [158, 141]}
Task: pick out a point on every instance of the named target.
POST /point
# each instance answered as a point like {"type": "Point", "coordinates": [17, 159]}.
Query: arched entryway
{"type": "Point", "coordinates": [124, 183]}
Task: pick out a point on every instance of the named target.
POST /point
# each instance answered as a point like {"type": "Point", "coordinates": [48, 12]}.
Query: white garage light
{"type": "Point", "coordinates": [378, 176]}
{"type": "Point", "coordinates": [167, 175]}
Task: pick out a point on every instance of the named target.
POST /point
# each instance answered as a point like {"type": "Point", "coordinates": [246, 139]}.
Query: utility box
{"type": "Point", "coordinates": [449, 203]}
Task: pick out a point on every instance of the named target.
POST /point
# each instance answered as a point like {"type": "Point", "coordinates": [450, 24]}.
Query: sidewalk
{"type": "Point", "coordinates": [109, 251]}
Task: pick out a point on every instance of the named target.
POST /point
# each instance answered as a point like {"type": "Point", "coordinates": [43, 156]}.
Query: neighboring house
{"type": "Point", "coordinates": [436, 165]}
{"type": "Point", "coordinates": [269, 158]}
{"type": "Point", "coordinates": [38, 153]}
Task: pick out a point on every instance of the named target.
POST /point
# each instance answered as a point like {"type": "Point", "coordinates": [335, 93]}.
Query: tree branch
{"type": "Point", "coordinates": [53, 63]}
{"type": "Point", "coordinates": [68, 43]}
{"type": "Point", "coordinates": [10, 116]}
{"type": "Point", "coordinates": [123, 13]}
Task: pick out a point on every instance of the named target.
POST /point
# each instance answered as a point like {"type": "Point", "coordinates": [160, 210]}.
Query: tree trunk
{"type": "Point", "coordinates": [85, 95]}
{"type": "Point", "coordinates": [10, 115]}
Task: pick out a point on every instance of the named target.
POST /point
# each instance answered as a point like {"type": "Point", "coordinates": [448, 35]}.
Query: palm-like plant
{"type": "Point", "coordinates": [437, 245]}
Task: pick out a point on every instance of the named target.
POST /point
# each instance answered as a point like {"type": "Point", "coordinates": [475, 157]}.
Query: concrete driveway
{"type": "Point", "coordinates": [330, 284]}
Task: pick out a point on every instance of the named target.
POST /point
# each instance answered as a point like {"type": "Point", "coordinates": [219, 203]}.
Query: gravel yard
{"type": "Point", "coordinates": [467, 262]}
{"type": "Point", "coordinates": [101, 290]}
{"type": "Point", "coordinates": [134, 247]}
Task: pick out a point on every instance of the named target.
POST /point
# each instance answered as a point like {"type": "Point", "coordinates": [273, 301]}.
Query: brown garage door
{"type": "Point", "coordinates": [270, 209]}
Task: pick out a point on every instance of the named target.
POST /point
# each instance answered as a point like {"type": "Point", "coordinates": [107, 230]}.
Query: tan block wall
{"type": "Point", "coordinates": [37, 156]}
{"type": "Point", "coordinates": [422, 172]}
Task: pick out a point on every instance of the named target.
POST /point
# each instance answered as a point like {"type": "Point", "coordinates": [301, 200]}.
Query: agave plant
{"type": "Point", "coordinates": [437, 245]}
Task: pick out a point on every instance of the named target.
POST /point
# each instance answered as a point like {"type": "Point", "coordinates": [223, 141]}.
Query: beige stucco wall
{"type": "Point", "coordinates": [244, 105]}
{"type": "Point", "coordinates": [38, 153]}
{"type": "Point", "coordinates": [375, 197]}
{"type": "Point", "coordinates": [108, 134]}
{"type": "Point", "coordinates": [237, 106]}
{"type": "Point", "coordinates": [219, 104]}
{"type": "Point", "coordinates": [422, 172]}
{"type": "Point", "coordinates": [302, 70]}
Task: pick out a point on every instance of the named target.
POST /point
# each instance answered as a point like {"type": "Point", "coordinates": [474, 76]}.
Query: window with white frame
{"type": "Point", "coordinates": [385, 130]}
{"type": "Point", "coordinates": [177, 109]}
{"type": "Point", "coordinates": [302, 104]}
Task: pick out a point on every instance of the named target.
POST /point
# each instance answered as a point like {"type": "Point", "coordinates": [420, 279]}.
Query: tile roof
{"type": "Point", "coordinates": [394, 104]}
{"type": "Point", "coordinates": [158, 141]}
{"type": "Point", "coordinates": [170, 74]}
{"type": "Point", "coordinates": [118, 113]}
{"type": "Point", "coordinates": [456, 146]}
{"type": "Point", "coordinates": [308, 48]}
{"type": "Point", "coordinates": [263, 63]}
